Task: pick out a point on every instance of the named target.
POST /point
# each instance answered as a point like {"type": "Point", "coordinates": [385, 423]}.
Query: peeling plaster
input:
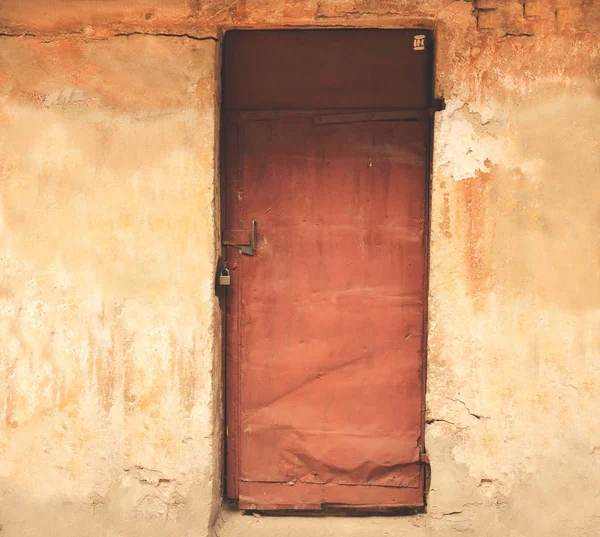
{"type": "Point", "coordinates": [465, 147]}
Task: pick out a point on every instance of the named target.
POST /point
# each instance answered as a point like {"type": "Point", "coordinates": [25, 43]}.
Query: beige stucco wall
{"type": "Point", "coordinates": [110, 380]}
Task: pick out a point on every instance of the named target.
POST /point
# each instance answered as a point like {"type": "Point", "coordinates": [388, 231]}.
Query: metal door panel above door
{"type": "Point", "coordinates": [309, 69]}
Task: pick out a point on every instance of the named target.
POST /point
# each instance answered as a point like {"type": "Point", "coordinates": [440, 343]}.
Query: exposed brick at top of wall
{"type": "Point", "coordinates": [533, 17]}
{"type": "Point", "coordinates": [90, 18]}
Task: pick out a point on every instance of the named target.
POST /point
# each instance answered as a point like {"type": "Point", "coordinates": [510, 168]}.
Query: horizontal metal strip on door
{"type": "Point", "coordinates": [337, 115]}
{"type": "Point", "coordinates": [398, 115]}
{"type": "Point", "coordinates": [304, 496]}
{"type": "Point", "coordinates": [380, 115]}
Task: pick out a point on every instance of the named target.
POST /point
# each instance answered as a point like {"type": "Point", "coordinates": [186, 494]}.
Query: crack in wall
{"type": "Point", "coordinates": [119, 34]}
{"type": "Point", "coordinates": [440, 420]}
{"type": "Point", "coordinates": [164, 34]}
{"type": "Point", "coordinates": [476, 416]}
{"type": "Point", "coordinates": [357, 14]}
{"type": "Point", "coordinates": [508, 34]}
{"type": "Point", "coordinates": [148, 476]}
{"type": "Point", "coordinates": [510, 19]}
{"type": "Point", "coordinates": [442, 515]}
{"type": "Point", "coordinates": [24, 34]}
{"type": "Point", "coordinates": [459, 511]}
{"type": "Point", "coordinates": [447, 5]}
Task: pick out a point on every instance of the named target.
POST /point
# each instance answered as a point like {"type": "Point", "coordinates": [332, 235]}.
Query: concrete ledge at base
{"type": "Point", "coordinates": [236, 524]}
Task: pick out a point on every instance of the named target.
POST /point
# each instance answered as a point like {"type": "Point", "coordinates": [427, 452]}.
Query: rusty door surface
{"type": "Point", "coordinates": [325, 322]}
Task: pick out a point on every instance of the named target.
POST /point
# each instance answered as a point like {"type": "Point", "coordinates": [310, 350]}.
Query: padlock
{"type": "Point", "coordinates": [224, 277]}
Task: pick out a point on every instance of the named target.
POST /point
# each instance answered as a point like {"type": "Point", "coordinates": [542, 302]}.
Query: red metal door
{"type": "Point", "coordinates": [324, 337]}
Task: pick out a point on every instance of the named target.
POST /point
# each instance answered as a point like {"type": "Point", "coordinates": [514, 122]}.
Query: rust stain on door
{"type": "Point", "coordinates": [325, 322]}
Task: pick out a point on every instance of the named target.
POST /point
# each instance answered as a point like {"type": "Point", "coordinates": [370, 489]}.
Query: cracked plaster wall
{"type": "Point", "coordinates": [110, 360]}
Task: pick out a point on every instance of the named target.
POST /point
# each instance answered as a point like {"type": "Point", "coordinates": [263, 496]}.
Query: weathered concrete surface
{"type": "Point", "coordinates": [108, 357]}
{"type": "Point", "coordinates": [110, 364]}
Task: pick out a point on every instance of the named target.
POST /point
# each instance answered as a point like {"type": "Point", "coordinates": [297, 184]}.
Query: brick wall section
{"type": "Point", "coordinates": [105, 18]}
{"type": "Point", "coordinates": [525, 18]}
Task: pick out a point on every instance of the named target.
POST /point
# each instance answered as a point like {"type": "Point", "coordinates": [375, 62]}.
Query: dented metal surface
{"type": "Point", "coordinates": [330, 310]}
{"type": "Point", "coordinates": [325, 322]}
{"type": "Point", "coordinates": [328, 315]}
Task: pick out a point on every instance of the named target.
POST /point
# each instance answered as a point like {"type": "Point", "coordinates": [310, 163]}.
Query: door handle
{"type": "Point", "coordinates": [242, 239]}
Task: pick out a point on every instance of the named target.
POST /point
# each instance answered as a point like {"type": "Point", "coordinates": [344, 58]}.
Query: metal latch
{"type": "Point", "coordinates": [242, 239]}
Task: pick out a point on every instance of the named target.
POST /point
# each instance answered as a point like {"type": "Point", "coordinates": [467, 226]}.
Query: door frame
{"type": "Point", "coordinates": [221, 253]}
